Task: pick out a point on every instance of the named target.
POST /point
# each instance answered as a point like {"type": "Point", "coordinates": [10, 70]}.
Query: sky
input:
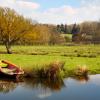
{"type": "Point", "coordinates": [56, 11]}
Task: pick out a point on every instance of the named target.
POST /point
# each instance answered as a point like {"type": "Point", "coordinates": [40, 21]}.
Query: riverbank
{"type": "Point", "coordinates": [30, 62]}
{"type": "Point", "coordinates": [73, 56]}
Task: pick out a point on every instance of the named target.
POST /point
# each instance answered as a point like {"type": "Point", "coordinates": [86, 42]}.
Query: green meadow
{"type": "Point", "coordinates": [30, 57]}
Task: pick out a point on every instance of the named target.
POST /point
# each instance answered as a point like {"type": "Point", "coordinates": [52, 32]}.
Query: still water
{"type": "Point", "coordinates": [80, 88]}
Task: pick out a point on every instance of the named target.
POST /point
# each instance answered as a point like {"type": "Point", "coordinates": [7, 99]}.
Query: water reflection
{"type": "Point", "coordinates": [53, 85]}
{"type": "Point", "coordinates": [7, 86]}
{"type": "Point", "coordinates": [46, 89]}
{"type": "Point", "coordinates": [43, 85]}
{"type": "Point", "coordinates": [82, 79]}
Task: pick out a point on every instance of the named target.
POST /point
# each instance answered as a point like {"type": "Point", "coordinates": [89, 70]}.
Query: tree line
{"type": "Point", "coordinates": [86, 32]}
{"type": "Point", "coordinates": [16, 29]}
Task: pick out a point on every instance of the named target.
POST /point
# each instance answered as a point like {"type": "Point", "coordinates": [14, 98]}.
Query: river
{"type": "Point", "coordinates": [44, 89]}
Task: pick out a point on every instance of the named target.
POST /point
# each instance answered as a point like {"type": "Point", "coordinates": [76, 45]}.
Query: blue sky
{"type": "Point", "coordinates": [56, 11]}
{"type": "Point", "coordinates": [45, 4]}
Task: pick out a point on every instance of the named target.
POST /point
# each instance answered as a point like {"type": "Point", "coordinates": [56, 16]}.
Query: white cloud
{"type": "Point", "coordinates": [64, 9]}
{"type": "Point", "coordinates": [27, 4]}
{"type": "Point", "coordinates": [89, 10]}
{"type": "Point", "coordinates": [90, 2]}
{"type": "Point", "coordinates": [6, 3]}
{"type": "Point", "coordinates": [62, 14]}
{"type": "Point", "coordinates": [69, 14]}
{"type": "Point", "coordinates": [19, 4]}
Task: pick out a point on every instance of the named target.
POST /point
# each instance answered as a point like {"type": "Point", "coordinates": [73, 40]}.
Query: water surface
{"type": "Point", "coordinates": [36, 89]}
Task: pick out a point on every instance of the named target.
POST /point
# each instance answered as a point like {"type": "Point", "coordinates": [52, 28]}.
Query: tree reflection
{"type": "Point", "coordinates": [54, 85]}
{"type": "Point", "coordinates": [7, 86]}
{"type": "Point", "coordinates": [44, 87]}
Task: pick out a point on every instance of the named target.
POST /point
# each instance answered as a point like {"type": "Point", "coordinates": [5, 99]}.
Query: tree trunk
{"type": "Point", "coordinates": [8, 48]}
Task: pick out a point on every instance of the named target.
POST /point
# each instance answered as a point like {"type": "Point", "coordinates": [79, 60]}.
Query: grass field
{"type": "Point", "coordinates": [69, 51]}
{"type": "Point", "coordinates": [30, 57]}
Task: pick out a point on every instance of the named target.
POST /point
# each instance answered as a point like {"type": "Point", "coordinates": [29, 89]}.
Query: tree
{"type": "Point", "coordinates": [75, 33]}
{"type": "Point", "coordinates": [62, 28]}
{"type": "Point", "coordinates": [96, 36]}
{"type": "Point", "coordinates": [66, 30]}
{"type": "Point", "coordinates": [54, 36]}
{"type": "Point", "coordinates": [88, 31]}
{"type": "Point", "coordinates": [12, 27]}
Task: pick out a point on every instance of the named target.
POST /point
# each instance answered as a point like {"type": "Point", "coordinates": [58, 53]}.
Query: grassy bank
{"type": "Point", "coordinates": [35, 57]}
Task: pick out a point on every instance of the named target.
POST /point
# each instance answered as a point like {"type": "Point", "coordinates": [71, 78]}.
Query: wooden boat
{"type": "Point", "coordinates": [10, 70]}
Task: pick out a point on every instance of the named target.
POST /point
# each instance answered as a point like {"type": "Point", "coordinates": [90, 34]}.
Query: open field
{"type": "Point", "coordinates": [30, 57]}
{"type": "Point", "coordinates": [68, 51]}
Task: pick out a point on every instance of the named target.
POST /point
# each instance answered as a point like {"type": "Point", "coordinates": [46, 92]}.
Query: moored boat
{"type": "Point", "coordinates": [8, 69]}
